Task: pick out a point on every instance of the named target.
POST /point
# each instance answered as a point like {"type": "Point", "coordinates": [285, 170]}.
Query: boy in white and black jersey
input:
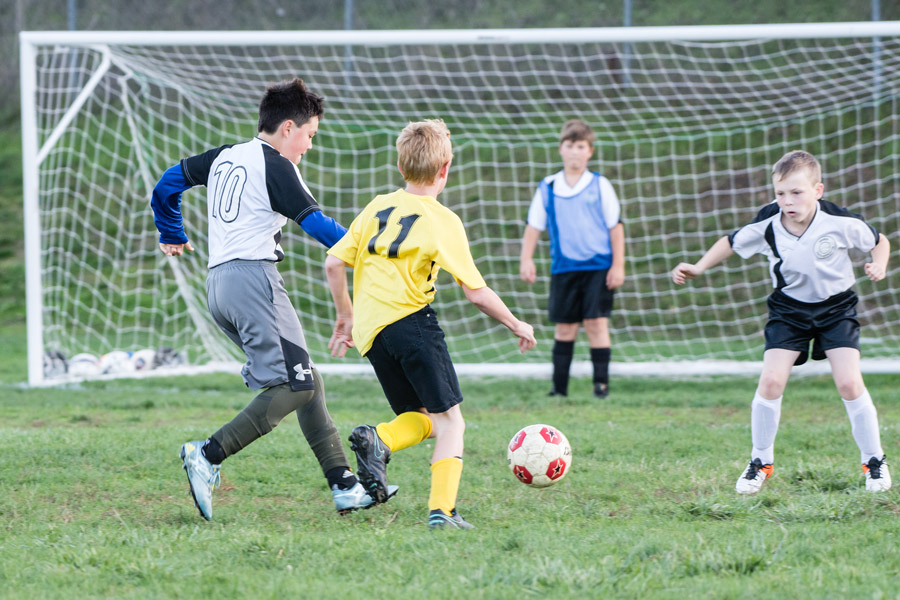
{"type": "Point", "coordinates": [807, 241]}
{"type": "Point", "coordinates": [253, 188]}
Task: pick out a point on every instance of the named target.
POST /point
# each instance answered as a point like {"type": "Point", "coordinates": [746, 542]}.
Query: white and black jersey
{"type": "Point", "coordinates": [816, 265]}
{"type": "Point", "coordinates": [252, 190]}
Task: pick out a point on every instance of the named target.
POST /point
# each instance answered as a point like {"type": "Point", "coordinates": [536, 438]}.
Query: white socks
{"type": "Point", "coordinates": [864, 424]}
{"type": "Point", "coordinates": [764, 417]}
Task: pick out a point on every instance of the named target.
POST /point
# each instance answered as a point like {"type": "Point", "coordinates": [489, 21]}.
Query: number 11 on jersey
{"type": "Point", "coordinates": [406, 223]}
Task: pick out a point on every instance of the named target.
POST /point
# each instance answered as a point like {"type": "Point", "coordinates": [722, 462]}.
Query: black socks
{"type": "Point", "coordinates": [562, 361]}
{"type": "Point", "coordinates": [600, 360]}
{"type": "Point", "coordinates": [342, 477]}
{"type": "Point", "coordinates": [213, 451]}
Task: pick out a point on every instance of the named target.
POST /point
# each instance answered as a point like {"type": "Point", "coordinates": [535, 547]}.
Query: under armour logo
{"type": "Point", "coordinates": [302, 371]}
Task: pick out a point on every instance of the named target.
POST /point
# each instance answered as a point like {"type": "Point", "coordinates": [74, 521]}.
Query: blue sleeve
{"type": "Point", "coordinates": [166, 205]}
{"type": "Point", "coordinates": [325, 229]}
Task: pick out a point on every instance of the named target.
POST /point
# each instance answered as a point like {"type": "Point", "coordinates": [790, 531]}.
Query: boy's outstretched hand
{"type": "Point", "coordinates": [525, 333]}
{"type": "Point", "coordinates": [683, 272]}
{"type": "Point", "coordinates": [342, 337]}
{"type": "Point", "coordinates": [176, 249]}
{"type": "Point", "coordinates": [875, 271]}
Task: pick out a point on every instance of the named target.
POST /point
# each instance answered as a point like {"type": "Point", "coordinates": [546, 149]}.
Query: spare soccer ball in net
{"type": "Point", "coordinates": [84, 365]}
{"type": "Point", "coordinates": [539, 455]}
{"type": "Point", "coordinates": [142, 360]}
{"type": "Point", "coordinates": [115, 362]}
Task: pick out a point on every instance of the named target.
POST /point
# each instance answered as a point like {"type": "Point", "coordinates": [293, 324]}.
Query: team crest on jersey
{"type": "Point", "coordinates": [824, 246]}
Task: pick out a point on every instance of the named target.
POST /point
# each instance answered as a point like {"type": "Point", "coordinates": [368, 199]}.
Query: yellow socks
{"type": "Point", "coordinates": [445, 476]}
{"type": "Point", "coordinates": [408, 429]}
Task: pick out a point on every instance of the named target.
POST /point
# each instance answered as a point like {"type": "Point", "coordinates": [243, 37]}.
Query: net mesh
{"type": "Point", "coordinates": [686, 132]}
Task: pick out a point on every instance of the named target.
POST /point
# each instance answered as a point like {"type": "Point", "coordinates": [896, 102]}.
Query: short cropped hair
{"type": "Point", "coordinates": [423, 148]}
{"type": "Point", "coordinates": [577, 130]}
{"type": "Point", "coordinates": [795, 161]}
{"type": "Point", "coordinates": [288, 100]}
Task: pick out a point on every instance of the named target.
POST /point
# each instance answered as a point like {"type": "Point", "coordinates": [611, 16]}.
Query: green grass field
{"type": "Point", "coordinates": [95, 503]}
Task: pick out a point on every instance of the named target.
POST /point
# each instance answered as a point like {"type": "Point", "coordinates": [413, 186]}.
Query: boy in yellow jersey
{"type": "Point", "coordinates": [396, 247]}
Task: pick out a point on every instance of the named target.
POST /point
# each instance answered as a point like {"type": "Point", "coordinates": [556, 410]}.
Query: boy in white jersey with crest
{"type": "Point", "coordinates": [807, 241]}
{"type": "Point", "coordinates": [254, 188]}
{"type": "Point", "coordinates": [396, 246]}
{"type": "Point", "coordinates": [580, 211]}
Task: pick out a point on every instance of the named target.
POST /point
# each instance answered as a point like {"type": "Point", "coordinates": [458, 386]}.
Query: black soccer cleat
{"type": "Point", "coordinates": [601, 390]}
{"type": "Point", "coordinates": [372, 457]}
{"type": "Point", "coordinates": [437, 519]}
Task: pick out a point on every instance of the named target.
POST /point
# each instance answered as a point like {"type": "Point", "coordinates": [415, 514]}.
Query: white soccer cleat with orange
{"type": "Point", "coordinates": [752, 478]}
{"type": "Point", "coordinates": [878, 477]}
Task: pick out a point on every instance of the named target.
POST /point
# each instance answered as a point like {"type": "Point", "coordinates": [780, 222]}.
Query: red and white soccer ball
{"type": "Point", "coordinates": [539, 455]}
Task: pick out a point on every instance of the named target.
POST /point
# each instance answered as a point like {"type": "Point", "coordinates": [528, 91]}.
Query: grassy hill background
{"type": "Point", "coordinates": [20, 15]}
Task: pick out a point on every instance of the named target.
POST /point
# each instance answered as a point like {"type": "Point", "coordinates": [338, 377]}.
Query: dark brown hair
{"type": "Point", "coordinates": [288, 100]}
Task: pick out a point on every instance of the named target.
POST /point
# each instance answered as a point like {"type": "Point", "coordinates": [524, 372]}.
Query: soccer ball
{"type": "Point", "coordinates": [142, 360]}
{"type": "Point", "coordinates": [84, 365]}
{"type": "Point", "coordinates": [539, 455]}
{"type": "Point", "coordinates": [168, 357]}
{"type": "Point", "coordinates": [55, 364]}
{"type": "Point", "coordinates": [117, 361]}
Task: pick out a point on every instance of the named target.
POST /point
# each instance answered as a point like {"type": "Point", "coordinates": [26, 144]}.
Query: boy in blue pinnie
{"type": "Point", "coordinates": [580, 211]}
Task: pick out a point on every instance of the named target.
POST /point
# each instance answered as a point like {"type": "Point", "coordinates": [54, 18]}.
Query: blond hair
{"type": "Point", "coordinates": [797, 160]}
{"type": "Point", "coordinates": [576, 130]}
{"type": "Point", "coordinates": [423, 148]}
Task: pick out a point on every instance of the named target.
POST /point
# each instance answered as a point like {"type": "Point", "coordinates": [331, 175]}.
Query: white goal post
{"type": "Point", "coordinates": [688, 122]}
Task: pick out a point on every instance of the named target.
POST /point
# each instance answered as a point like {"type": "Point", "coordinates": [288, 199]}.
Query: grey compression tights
{"type": "Point", "coordinates": [272, 405]}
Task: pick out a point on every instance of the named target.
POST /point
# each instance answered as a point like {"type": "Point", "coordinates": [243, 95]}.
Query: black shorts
{"type": "Point", "coordinates": [413, 364]}
{"type": "Point", "coordinates": [828, 324]}
{"type": "Point", "coordinates": [579, 295]}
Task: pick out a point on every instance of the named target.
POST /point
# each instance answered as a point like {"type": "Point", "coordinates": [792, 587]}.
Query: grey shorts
{"type": "Point", "coordinates": [248, 302]}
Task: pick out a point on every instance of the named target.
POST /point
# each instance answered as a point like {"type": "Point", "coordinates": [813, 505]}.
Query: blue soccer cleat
{"type": "Point", "coordinates": [202, 475]}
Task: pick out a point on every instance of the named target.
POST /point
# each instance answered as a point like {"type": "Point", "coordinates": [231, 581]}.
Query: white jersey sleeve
{"type": "Point", "coordinates": [751, 239]}
{"type": "Point", "coordinates": [861, 235]}
{"type": "Point", "coordinates": [612, 212]}
{"type": "Point", "coordinates": [537, 213]}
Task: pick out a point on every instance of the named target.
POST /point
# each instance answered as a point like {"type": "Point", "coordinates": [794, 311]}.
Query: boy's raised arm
{"type": "Point", "coordinates": [716, 254]}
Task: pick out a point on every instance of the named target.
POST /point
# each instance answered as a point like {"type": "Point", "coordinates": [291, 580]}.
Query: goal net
{"type": "Point", "coordinates": [688, 122]}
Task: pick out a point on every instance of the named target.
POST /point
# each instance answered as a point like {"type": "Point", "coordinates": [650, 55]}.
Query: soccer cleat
{"type": "Point", "coordinates": [202, 475]}
{"type": "Point", "coordinates": [372, 457]}
{"type": "Point", "coordinates": [601, 390]}
{"type": "Point", "coordinates": [753, 477]}
{"type": "Point", "coordinates": [553, 392]}
{"type": "Point", "coordinates": [356, 497]}
{"type": "Point", "coordinates": [878, 477]}
{"type": "Point", "coordinates": [437, 519]}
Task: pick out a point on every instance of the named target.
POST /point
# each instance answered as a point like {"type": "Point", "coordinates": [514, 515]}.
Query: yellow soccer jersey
{"type": "Point", "coordinates": [396, 246]}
